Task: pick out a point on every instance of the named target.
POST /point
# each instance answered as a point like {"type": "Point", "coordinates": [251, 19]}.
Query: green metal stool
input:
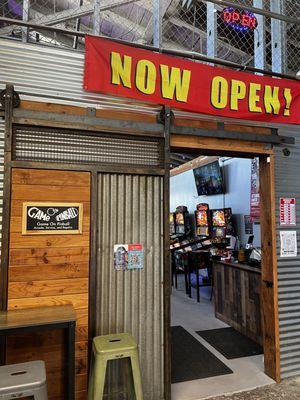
{"type": "Point", "coordinates": [113, 347]}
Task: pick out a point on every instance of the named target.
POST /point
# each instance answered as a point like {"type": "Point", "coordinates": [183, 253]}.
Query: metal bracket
{"type": "Point", "coordinates": [16, 99]}
{"type": "Point", "coordinates": [269, 284]}
{"type": "Point", "coordinates": [164, 114]}
{"type": "Point", "coordinates": [91, 112]}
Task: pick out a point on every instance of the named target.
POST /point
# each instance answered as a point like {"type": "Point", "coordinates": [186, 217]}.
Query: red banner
{"type": "Point", "coordinates": [126, 71]}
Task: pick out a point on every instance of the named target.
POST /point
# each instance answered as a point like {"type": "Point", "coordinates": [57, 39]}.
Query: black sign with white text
{"type": "Point", "coordinates": [55, 218]}
{"type": "Point", "coordinates": [248, 225]}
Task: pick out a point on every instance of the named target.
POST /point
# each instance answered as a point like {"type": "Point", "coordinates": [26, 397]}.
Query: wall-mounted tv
{"type": "Point", "coordinates": [209, 179]}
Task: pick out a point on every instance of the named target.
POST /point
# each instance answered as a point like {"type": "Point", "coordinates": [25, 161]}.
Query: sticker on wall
{"type": "Point", "coordinates": [51, 218]}
{"type": "Point", "coordinates": [128, 256]}
{"type": "Point", "coordinates": [287, 211]}
{"type": "Point", "coordinates": [288, 243]}
{"type": "Point", "coordinates": [254, 191]}
{"type": "Point", "coordinates": [135, 256]}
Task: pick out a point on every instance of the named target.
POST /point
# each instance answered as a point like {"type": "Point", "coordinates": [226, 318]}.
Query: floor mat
{"type": "Point", "coordinates": [231, 343]}
{"type": "Point", "coordinates": [191, 360]}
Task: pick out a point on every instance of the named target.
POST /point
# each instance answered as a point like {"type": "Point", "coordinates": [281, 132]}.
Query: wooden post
{"type": "Point", "coordinates": [269, 269]}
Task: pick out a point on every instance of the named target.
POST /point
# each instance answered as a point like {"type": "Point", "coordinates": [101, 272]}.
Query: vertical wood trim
{"type": "Point", "coordinates": [93, 256]}
{"type": "Point", "coordinates": [6, 197]}
{"type": "Point", "coordinates": [167, 269]}
{"type": "Point", "coordinates": [269, 268]}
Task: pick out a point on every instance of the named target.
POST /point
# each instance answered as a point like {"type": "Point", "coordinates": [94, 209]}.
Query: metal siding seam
{"type": "Point", "coordinates": [287, 169]}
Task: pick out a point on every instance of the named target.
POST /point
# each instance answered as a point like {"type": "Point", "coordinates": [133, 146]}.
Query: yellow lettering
{"type": "Point", "coordinates": [288, 99]}
{"type": "Point", "coordinates": [145, 78]}
{"type": "Point", "coordinates": [219, 92]}
{"type": "Point", "coordinates": [120, 69]}
{"type": "Point", "coordinates": [271, 100]}
{"type": "Point", "coordinates": [175, 83]}
{"type": "Point", "coordinates": [254, 97]}
{"type": "Point", "coordinates": [238, 92]}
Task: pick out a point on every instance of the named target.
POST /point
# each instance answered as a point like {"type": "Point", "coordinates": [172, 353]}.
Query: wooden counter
{"type": "Point", "coordinates": [237, 289]}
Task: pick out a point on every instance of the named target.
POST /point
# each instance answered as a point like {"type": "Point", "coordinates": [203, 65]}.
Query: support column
{"type": "Point", "coordinates": [259, 38]}
{"type": "Point", "coordinates": [157, 23]}
{"type": "Point", "coordinates": [278, 38]}
{"type": "Point", "coordinates": [25, 18]}
{"type": "Point", "coordinates": [96, 17]}
{"type": "Point", "coordinates": [211, 30]}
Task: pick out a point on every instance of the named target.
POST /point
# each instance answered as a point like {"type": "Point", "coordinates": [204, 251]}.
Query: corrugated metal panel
{"type": "Point", "coordinates": [77, 147]}
{"type": "Point", "coordinates": [287, 184]}
{"type": "Point", "coordinates": [131, 211]}
{"type": "Point", "coordinates": [44, 73]}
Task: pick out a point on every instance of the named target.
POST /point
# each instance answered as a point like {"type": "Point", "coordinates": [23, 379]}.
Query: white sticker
{"type": "Point", "coordinates": [288, 244]}
{"type": "Point", "coordinates": [287, 211]}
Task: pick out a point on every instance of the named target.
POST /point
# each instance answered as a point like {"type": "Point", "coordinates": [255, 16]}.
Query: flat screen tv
{"type": "Point", "coordinates": [209, 179]}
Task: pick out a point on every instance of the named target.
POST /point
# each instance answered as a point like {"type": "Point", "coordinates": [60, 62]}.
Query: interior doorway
{"type": "Point", "coordinates": [223, 309]}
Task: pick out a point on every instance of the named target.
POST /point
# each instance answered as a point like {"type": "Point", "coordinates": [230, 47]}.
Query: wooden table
{"type": "Point", "coordinates": [45, 318]}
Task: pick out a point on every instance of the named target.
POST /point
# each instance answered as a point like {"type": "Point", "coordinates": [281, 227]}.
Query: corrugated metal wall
{"type": "Point", "coordinates": [287, 184]}
{"type": "Point", "coordinates": [131, 211]}
{"type": "Point", "coordinates": [44, 73]}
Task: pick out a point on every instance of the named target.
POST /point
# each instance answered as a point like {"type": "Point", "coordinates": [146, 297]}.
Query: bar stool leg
{"type": "Point", "coordinates": [91, 379]}
{"type": "Point", "coordinates": [197, 285]}
{"type": "Point", "coordinates": [186, 280]}
{"type": "Point", "coordinates": [137, 379]}
{"type": "Point", "coordinates": [189, 283]}
{"type": "Point", "coordinates": [99, 379]}
{"type": "Point", "coordinates": [212, 286]}
{"type": "Point", "coordinates": [41, 394]}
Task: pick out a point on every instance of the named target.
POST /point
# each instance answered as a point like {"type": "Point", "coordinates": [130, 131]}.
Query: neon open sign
{"type": "Point", "coordinates": [239, 20]}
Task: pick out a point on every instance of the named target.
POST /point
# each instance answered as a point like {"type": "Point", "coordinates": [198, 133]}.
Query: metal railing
{"type": "Point", "coordinates": [261, 34]}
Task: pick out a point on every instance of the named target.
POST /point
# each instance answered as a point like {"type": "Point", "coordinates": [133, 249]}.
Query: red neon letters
{"type": "Point", "coordinates": [239, 18]}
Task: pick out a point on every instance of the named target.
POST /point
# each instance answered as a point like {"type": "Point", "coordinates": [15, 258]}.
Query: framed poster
{"type": "Point", "coordinates": [41, 218]}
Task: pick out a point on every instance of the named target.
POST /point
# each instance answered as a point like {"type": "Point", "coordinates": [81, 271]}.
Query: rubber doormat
{"type": "Point", "coordinates": [231, 343]}
{"type": "Point", "coordinates": [191, 360]}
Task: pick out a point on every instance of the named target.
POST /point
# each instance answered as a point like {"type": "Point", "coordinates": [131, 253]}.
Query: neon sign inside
{"type": "Point", "coordinates": [239, 20]}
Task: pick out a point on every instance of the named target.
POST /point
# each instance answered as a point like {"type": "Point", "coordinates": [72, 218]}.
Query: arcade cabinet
{"type": "Point", "coordinates": [202, 217]}
{"type": "Point", "coordinates": [218, 226]}
{"type": "Point", "coordinates": [182, 221]}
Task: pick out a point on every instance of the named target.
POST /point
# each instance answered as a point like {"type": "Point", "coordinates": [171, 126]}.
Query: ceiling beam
{"type": "Point", "coordinates": [197, 162]}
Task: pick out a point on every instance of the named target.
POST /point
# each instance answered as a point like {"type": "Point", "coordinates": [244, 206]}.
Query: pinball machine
{"type": "Point", "coordinates": [202, 217]}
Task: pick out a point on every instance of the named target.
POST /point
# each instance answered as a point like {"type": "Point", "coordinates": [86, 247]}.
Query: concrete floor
{"type": "Point", "coordinates": [289, 389]}
{"type": "Point", "coordinates": [247, 372]}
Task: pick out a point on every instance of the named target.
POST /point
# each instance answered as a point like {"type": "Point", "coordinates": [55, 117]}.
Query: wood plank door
{"type": "Point", "coordinates": [47, 270]}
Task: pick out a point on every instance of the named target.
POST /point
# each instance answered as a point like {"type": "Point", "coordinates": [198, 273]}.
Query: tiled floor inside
{"type": "Point", "coordinates": [247, 372]}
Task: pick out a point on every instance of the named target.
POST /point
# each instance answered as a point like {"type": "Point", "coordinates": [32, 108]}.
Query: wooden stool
{"type": "Point", "coordinates": [112, 347]}
{"type": "Point", "coordinates": [22, 380]}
